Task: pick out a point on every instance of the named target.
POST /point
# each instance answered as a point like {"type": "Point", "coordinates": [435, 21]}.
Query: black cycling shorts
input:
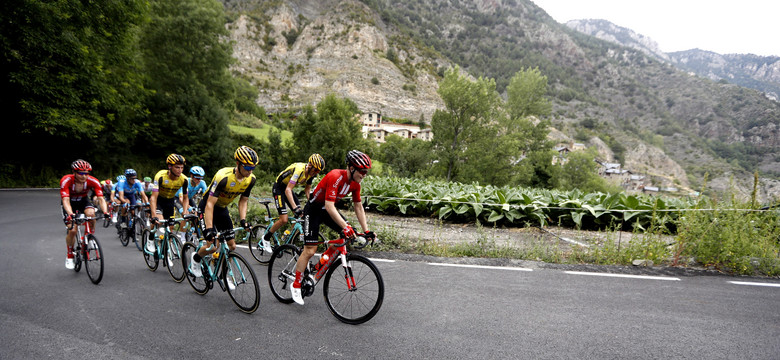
{"type": "Point", "coordinates": [220, 218]}
{"type": "Point", "coordinates": [314, 215]}
{"type": "Point", "coordinates": [78, 206]}
{"type": "Point", "coordinates": [280, 199]}
{"type": "Point", "coordinates": [167, 206]}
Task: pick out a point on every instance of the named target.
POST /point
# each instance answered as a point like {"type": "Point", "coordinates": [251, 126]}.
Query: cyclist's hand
{"type": "Point", "coordinates": [298, 211]}
{"type": "Point", "coordinates": [68, 219]}
{"type": "Point", "coordinates": [106, 216]}
{"type": "Point", "coordinates": [155, 220]}
{"type": "Point", "coordinates": [246, 225]}
{"type": "Point", "coordinates": [209, 234]}
{"type": "Point", "coordinates": [348, 232]}
{"type": "Point", "coordinates": [369, 235]}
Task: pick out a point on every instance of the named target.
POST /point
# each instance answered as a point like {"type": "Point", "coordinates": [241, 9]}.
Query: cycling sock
{"type": "Point", "coordinates": [70, 252]}
{"type": "Point", "coordinates": [298, 279]}
{"type": "Point", "coordinates": [196, 257]}
{"type": "Point", "coordinates": [268, 236]}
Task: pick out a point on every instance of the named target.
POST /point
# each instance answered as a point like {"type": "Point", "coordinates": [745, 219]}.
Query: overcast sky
{"type": "Point", "coordinates": [725, 27]}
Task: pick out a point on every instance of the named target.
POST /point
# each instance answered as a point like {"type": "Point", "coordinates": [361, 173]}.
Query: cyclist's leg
{"type": "Point", "coordinates": [70, 236]}
{"type": "Point", "coordinates": [280, 201]}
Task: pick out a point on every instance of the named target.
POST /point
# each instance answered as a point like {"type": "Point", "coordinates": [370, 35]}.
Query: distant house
{"type": "Point", "coordinates": [562, 157]}
{"type": "Point", "coordinates": [379, 129]}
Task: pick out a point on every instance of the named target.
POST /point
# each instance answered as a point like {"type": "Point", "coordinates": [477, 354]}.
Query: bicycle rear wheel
{"type": "Point", "coordinates": [93, 258]}
{"type": "Point", "coordinates": [281, 271]}
{"type": "Point", "coordinates": [359, 304]}
{"type": "Point", "coordinates": [198, 284]}
{"type": "Point", "coordinates": [149, 257]}
{"type": "Point", "coordinates": [260, 254]}
{"type": "Point", "coordinates": [124, 235]}
{"type": "Point", "coordinates": [77, 256]}
{"type": "Point", "coordinates": [173, 258]}
{"type": "Point", "coordinates": [246, 294]}
{"type": "Point", "coordinates": [138, 232]}
{"type": "Point", "coordinates": [107, 221]}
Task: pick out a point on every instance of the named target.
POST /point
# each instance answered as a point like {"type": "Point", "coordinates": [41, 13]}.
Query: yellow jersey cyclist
{"type": "Point", "coordinates": [164, 199]}
{"type": "Point", "coordinates": [284, 197]}
{"type": "Point", "coordinates": [227, 184]}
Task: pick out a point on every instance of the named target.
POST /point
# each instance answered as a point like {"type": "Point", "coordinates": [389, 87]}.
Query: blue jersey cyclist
{"type": "Point", "coordinates": [197, 187]}
{"type": "Point", "coordinates": [128, 191]}
{"type": "Point", "coordinates": [227, 184]}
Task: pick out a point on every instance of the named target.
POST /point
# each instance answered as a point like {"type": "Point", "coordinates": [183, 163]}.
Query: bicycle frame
{"type": "Point", "coordinates": [218, 267]}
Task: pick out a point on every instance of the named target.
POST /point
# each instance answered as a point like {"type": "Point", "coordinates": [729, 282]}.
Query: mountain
{"type": "Point", "coordinates": [747, 70]}
{"type": "Point", "coordinates": [388, 56]}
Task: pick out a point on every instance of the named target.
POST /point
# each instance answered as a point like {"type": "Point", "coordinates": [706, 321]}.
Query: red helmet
{"type": "Point", "coordinates": [358, 160]}
{"type": "Point", "coordinates": [81, 165]}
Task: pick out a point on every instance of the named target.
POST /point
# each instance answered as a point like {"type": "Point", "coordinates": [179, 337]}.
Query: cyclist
{"type": "Point", "coordinates": [227, 184]}
{"type": "Point", "coordinates": [297, 173]}
{"type": "Point", "coordinates": [127, 191]}
{"type": "Point", "coordinates": [164, 199]}
{"type": "Point", "coordinates": [74, 191]}
{"type": "Point", "coordinates": [148, 186]}
{"type": "Point", "coordinates": [321, 209]}
{"type": "Point", "coordinates": [196, 186]}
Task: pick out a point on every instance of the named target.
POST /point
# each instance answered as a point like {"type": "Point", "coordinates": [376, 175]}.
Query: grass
{"type": "Point", "coordinates": [261, 133]}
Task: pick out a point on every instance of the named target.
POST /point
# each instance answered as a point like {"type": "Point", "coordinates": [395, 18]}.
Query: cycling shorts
{"type": "Point", "coordinates": [78, 206]}
{"type": "Point", "coordinates": [220, 218]}
{"type": "Point", "coordinates": [280, 199]}
{"type": "Point", "coordinates": [167, 207]}
{"type": "Point", "coordinates": [314, 215]}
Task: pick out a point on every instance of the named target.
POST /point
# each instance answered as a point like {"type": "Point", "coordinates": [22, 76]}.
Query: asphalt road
{"type": "Point", "coordinates": [430, 311]}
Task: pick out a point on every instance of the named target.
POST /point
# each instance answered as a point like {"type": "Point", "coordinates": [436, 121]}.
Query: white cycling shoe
{"type": "Point", "coordinates": [70, 264]}
{"type": "Point", "coordinates": [296, 295]}
{"type": "Point", "coordinates": [195, 267]}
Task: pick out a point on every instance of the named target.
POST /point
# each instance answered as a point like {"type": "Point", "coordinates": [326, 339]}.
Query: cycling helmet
{"type": "Point", "coordinates": [107, 181]}
{"type": "Point", "coordinates": [358, 160]}
{"type": "Point", "coordinates": [81, 165]}
{"type": "Point", "coordinates": [246, 156]}
{"type": "Point", "coordinates": [130, 173]}
{"type": "Point", "coordinates": [147, 179]}
{"type": "Point", "coordinates": [175, 159]}
{"type": "Point", "coordinates": [317, 161]}
{"type": "Point", "coordinates": [197, 170]}
{"type": "Point", "coordinates": [120, 178]}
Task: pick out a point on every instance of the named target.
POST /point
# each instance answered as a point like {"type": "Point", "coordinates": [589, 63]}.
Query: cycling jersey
{"type": "Point", "coordinates": [194, 190]}
{"type": "Point", "coordinates": [167, 187]}
{"type": "Point", "coordinates": [76, 192]}
{"type": "Point", "coordinates": [129, 191]}
{"type": "Point", "coordinates": [148, 188]}
{"type": "Point", "coordinates": [335, 186]}
{"type": "Point", "coordinates": [226, 187]}
{"type": "Point", "coordinates": [295, 173]}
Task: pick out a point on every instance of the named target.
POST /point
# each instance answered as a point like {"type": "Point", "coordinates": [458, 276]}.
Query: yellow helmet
{"type": "Point", "coordinates": [317, 161]}
{"type": "Point", "coordinates": [175, 159]}
{"type": "Point", "coordinates": [247, 156]}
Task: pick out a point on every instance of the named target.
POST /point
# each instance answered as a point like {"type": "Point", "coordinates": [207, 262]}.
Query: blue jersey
{"type": "Point", "coordinates": [129, 189]}
{"type": "Point", "coordinates": [194, 190]}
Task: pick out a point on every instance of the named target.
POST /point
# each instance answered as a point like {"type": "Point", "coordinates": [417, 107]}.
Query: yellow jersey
{"type": "Point", "coordinates": [226, 187]}
{"type": "Point", "coordinates": [295, 173]}
{"type": "Point", "coordinates": [167, 187]}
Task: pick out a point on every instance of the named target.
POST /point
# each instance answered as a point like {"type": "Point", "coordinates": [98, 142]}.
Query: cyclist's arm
{"type": "Point", "coordinates": [66, 205]}
{"type": "Point", "coordinates": [103, 206]}
{"type": "Point", "coordinates": [330, 207]}
{"type": "Point", "coordinates": [242, 206]}
{"type": "Point", "coordinates": [361, 215]}
{"type": "Point", "coordinates": [144, 197]}
{"type": "Point", "coordinates": [288, 192]}
{"type": "Point", "coordinates": [307, 190]}
{"type": "Point", "coordinates": [153, 205]}
{"type": "Point", "coordinates": [122, 197]}
{"type": "Point", "coordinates": [208, 211]}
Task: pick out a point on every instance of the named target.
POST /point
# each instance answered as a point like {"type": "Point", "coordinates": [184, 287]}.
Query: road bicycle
{"type": "Point", "coordinates": [129, 224]}
{"type": "Point", "coordinates": [87, 248]}
{"type": "Point", "coordinates": [226, 268]}
{"type": "Point", "coordinates": [166, 246]}
{"type": "Point", "coordinates": [111, 211]}
{"type": "Point", "coordinates": [354, 297]}
{"type": "Point", "coordinates": [142, 222]}
{"type": "Point", "coordinates": [262, 250]}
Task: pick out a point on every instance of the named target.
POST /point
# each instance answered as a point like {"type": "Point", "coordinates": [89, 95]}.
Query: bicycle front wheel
{"type": "Point", "coordinates": [281, 271]}
{"type": "Point", "coordinates": [107, 220]}
{"type": "Point", "coordinates": [260, 253]}
{"type": "Point", "coordinates": [198, 284]}
{"type": "Point", "coordinates": [359, 301]}
{"type": "Point", "coordinates": [149, 257]}
{"type": "Point", "coordinates": [93, 259]}
{"type": "Point", "coordinates": [173, 259]}
{"type": "Point", "coordinates": [138, 232]}
{"type": "Point", "coordinates": [242, 284]}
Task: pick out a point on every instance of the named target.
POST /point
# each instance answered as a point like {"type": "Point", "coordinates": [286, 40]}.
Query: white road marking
{"type": "Point", "coordinates": [381, 260]}
{"type": "Point", "coordinates": [482, 267]}
{"type": "Point", "coordinates": [754, 283]}
{"type": "Point", "coordinates": [623, 275]}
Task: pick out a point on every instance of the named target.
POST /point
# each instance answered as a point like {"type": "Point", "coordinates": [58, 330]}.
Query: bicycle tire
{"type": "Point", "coordinates": [361, 304]}
{"type": "Point", "coordinates": [173, 258]}
{"type": "Point", "coordinates": [150, 258]}
{"type": "Point", "coordinates": [77, 257]}
{"type": "Point", "coordinates": [124, 236]}
{"type": "Point", "coordinates": [93, 259]}
{"type": "Point", "coordinates": [280, 270]}
{"type": "Point", "coordinates": [198, 284]}
{"type": "Point", "coordinates": [246, 294]}
{"type": "Point", "coordinates": [107, 221]}
{"type": "Point", "coordinates": [256, 245]}
{"type": "Point", "coordinates": [138, 232]}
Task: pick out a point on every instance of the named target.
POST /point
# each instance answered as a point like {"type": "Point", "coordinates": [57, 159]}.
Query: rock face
{"type": "Point", "coordinates": [333, 53]}
{"type": "Point", "coordinates": [608, 31]}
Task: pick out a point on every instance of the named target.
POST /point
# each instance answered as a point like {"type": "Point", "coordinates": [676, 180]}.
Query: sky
{"type": "Point", "coordinates": [724, 27]}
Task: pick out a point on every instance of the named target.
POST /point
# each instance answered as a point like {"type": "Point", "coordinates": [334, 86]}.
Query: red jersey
{"type": "Point", "coordinates": [335, 186]}
{"type": "Point", "coordinates": [69, 188]}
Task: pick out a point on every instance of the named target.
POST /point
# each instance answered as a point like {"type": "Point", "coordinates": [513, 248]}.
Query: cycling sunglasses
{"type": "Point", "coordinates": [82, 172]}
{"type": "Point", "coordinates": [197, 177]}
{"type": "Point", "coordinates": [248, 168]}
{"type": "Point", "coordinates": [363, 171]}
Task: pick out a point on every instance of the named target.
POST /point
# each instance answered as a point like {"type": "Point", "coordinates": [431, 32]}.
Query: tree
{"type": "Point", "coordinates": [331, 131]}
{"type": "Point", "coordinates": [526, 95]}
{"type": "Point", "coordinates": [406, 157]}
{"type": "Point", "coordinates": [471, 107]}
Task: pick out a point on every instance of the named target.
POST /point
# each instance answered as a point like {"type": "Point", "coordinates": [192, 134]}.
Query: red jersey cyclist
{"type": "Point", "coordinates": [284, 197]}
{"type": "Point", "coordinates": [321, 208]}
{"type": "Point", "coordinates": [75, 193]}
{"type": "Point", "coordinates": [227, 184]}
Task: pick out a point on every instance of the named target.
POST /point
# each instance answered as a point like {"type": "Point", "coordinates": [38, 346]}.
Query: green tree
{"type": "Point", "coordinates": [470, 109]}
{"type": "Point", "coordinates": [581, 172]}
{"type": "Point", "coordinates": [331, 130]}
{"type": "Point", "coordinates": [406, 157]}
{"type": "Point", "coordinates": [526, 95]}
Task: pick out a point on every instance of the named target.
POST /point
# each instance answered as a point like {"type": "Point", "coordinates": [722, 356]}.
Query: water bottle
{"type": "Point", "coordinates": [286, 233]}
{"type": "Point", "coordinates": [160, 233]}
